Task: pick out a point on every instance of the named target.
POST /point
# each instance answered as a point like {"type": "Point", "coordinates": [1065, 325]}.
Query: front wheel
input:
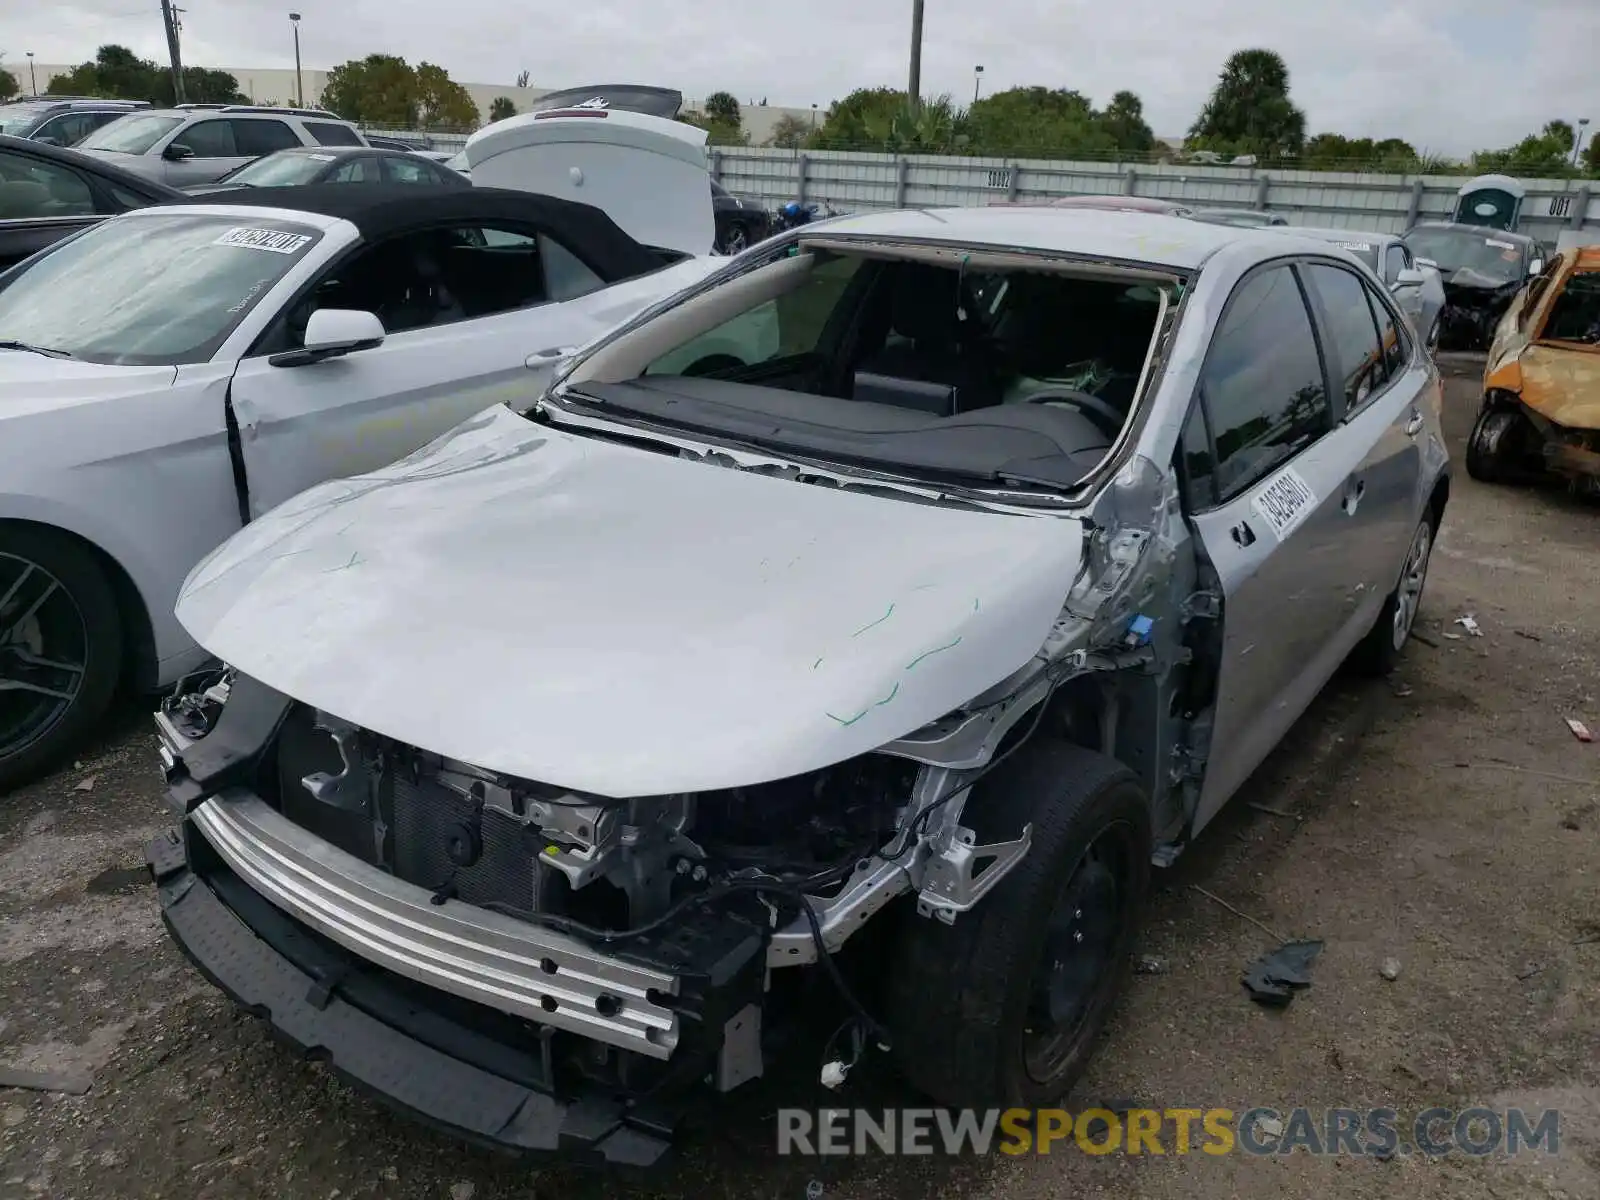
{"type": "Point", "coordinates": [60, 649]}
{"type": "Point", "coordinates": [1495, 447]}
{"type": "Point", "coordinates": [1005, 1006]}
{"type": "Point", "coordinates": [1379, 652]}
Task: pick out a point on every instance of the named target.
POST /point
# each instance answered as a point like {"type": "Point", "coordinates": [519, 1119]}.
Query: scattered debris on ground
{"type": "Point", "coordinates": [1274, 978]}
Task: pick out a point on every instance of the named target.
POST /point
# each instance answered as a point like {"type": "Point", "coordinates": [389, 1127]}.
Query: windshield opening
{"type": "Point", "coordinates": [1575, 315]}
{"type": "Point", "coordinates": [1004, 375]}
{"type": "Point", "coordinates": [150, 289]}
{"type": "Point", "coordinates": [1497, 259]}
{"type": "Point", "coordinates": [284, 169]}
{"type": "Point", "coordinates": [131, 134]}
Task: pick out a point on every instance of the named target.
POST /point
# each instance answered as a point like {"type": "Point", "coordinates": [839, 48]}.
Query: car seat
{"type": "Point", "coordinates": [931, 342]}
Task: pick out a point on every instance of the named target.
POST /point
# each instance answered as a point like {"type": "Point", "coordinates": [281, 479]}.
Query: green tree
{"type": "Point", "coordinates": [380, 89]}
{"type": "Point", "coordinates": [882, 119]}
{"type": "Point", "coordinates": [1591, 157]}
{"type": "Point", "coordinates": [1335, 152]}
{"type": "Point", "coordinates": [1543, 155]}
{"type": "Point", "coordinates": [718, 133]}
{"type": "Point", "coordinates": [117, 73]}
{"type": "Point", "coordinates": [9, 86]}
{"type": "Point", "coordinates": [442, 103]}
{"type": "Point", "coordinates": [723, 108]}
{"type": "Point", "coordinates": [501, 107]}
{"type": "Point", "coordinates": [1039, 122]}
{"type": "Point", "coordinates": [1249, 111]}
{"type": "Point", "coordinates": [789, 133]}
{"type": "Point", "coordinates": [1124, 120]}
{"type": "Point", "coordinates": [201, 86]}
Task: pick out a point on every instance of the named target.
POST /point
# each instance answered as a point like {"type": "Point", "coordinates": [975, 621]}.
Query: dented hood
{"type": "Point", "coordinates": [1563, 385]}
{"type": "Point", "coordinates": [623, 622]}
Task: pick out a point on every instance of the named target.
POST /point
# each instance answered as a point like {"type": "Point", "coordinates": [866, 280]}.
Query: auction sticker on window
{"type": "Point", "coordinates": [275, 240]}
{"type": "Point", "coordinates": [1284, 502]}
{"type": "Point", "coordinates": [1356, 245]}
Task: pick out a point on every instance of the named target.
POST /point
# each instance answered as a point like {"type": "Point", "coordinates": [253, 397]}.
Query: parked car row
{"type": "Point", "coordinates": [591, 661]}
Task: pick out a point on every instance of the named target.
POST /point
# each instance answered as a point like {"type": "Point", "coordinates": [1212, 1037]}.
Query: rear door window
{"type": "Point", "coordinates": [262, 136]}
{"type": "Point", "coordinates": [405, 170]}
{"type": "Point", "coordinates": [32, 188]}
{"type": "Point", "coordinates": [357, 170]}
{"type": "Point", "coordinates": [1356, 359]}
{"type": "Point", "coordinates": [1262, 383]}
{"type": "Point", "coordinates": [329, 133]}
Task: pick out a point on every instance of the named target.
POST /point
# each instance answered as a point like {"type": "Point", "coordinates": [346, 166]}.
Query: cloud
{"type": "Point", "coordinates": [1448, 75]}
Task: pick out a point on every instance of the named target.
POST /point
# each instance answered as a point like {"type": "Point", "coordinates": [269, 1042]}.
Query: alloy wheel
{"type": "Point", "coordinates": [44, 652]}
{"type": "Point", "coordinates": [1408, 596]}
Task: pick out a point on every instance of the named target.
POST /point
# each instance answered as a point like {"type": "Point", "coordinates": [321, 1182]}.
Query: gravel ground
{"type": "Point", "coordinates": [1447, 820]}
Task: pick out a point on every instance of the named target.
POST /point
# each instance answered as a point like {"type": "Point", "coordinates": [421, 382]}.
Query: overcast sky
{"type": "Point", "coordinates": [1447, 75]}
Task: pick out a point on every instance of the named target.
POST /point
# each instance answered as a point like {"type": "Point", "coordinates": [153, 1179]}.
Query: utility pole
{"type": "Point", "coordinates": [299, 85]}
{"type": "Point", "coordinates": [33, 82]}
{"type": "Point", "coordinates": [914, 85]}
{"type": "Point", "coordinates": [1577, 142]}
{"type": "Point", "coordinates": [169, 18]}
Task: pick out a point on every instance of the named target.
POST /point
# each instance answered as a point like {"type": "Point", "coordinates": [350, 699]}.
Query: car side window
{"type": "Point", "coordinates": [209, 139]}
{"type": "Point", "coordinates": [1575, 315]}
{"type": "Point", "coordinates": [262, 136]}
{"type": "Point", "coordinates": [356, 170]}
{"type": "Point", "coordinates": [65, 129]}
{"type": "Point", "coordinates": [1262, 383]}
{"type": "Point", "coordinates": [566, 276]}
{"type": "Point", "coordinates": [327, 133]}
{"type": "Point", "coordinates": [400, 170]}
{"type": "Point", "coordinates": [1196, 467]}
{"type": "Point", "coordinates": [1392, 337]}
{"type": "Point", "coordinates": [31, 189]}
{"type": "Point", "coordinates": [1356, 358]}
{"type": "Point", "coordinates": [1394, 261]}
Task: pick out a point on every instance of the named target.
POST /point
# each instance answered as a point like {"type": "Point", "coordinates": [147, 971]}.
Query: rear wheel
{"type": "Point", "coordinates": [1379, 652]}
{"type": "Point", "coordinates": [60, 649]}
{"type": "Point", "coordinates": [1006, 1005]}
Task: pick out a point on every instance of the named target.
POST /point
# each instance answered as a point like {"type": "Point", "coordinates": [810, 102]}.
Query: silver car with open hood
{"type": "Point", "coordinates": [821, 661]}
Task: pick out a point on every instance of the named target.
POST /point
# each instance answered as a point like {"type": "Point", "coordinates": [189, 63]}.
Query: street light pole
{"type": "Point", "coordinates": [1577, 142]}
{"type": "Point", "coordinates": [977, 80]}
{"type": "Point", "coordinates": [299, 85]}
{"type": "Point", "coordinates": [914, 85]}
{"type": "Point", "coordinates": [33, 82]}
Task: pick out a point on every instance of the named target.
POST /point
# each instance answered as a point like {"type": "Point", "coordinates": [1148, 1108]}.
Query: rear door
{"type": "Point", "coordinates": [41, 202]}
{"type": "Point", "coordinates": [475, 315]}
{"type": "Point", "coordinates": [1266, 474]}
{"type": "Point", "coordinates": [1378, 391]}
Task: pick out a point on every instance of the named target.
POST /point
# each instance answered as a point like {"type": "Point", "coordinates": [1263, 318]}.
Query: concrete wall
{"type": "Point", "coordinates": [854, 182]}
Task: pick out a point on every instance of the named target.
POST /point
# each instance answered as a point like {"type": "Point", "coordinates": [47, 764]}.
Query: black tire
{"type": "Point", "coordinates": [959, 995]}
{"type": "Point", "coordinates": [1378, 654]}
{"type": "Point", "coordinates": [97, 635]}
{"type": "Point", "coordinates": [1496, 447]}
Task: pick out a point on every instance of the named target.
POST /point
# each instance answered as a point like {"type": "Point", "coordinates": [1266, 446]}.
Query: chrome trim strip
{"type": "Point", "coordinates": [458, 948]}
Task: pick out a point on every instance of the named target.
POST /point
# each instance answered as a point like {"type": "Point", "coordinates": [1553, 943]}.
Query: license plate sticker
{"type": "Point", "coordinates": [1284, 502]}
{"type": "Point", "coordinates": [275, 240]}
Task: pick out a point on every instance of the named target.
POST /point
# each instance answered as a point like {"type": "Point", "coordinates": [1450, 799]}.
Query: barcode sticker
{"type": "Point", "coordinates": [1284, 502]}
{"type": "Point", "coordinates": [275, 240]}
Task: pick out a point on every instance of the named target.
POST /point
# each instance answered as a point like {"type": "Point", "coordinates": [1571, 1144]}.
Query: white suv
{"type": "Point", "coordinates": [196, 143]}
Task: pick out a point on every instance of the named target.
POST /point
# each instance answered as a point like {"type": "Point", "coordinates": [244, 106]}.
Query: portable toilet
{"type": "Point", "coordinates": [1493, 201]}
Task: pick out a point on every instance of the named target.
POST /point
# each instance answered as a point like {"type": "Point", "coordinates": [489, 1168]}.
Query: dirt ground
{"type": "Point", "coordinates": [1447, 819]}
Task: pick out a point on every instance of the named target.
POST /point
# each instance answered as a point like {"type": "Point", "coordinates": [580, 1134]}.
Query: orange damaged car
{"type": "Point", "coordinates": [1540, 411]}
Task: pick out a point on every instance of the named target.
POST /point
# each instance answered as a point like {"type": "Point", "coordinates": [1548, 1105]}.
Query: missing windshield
{"type": "Point", "coordinates": [1003, 369]}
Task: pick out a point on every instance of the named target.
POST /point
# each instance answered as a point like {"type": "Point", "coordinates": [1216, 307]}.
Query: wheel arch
{"type": "Point", "coordinates": [140, 658]}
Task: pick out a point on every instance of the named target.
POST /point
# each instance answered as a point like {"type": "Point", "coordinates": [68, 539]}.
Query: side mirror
{"type": "Point", "coordinates": [1408, 277]}
{"type": "Point", "coordinates": [332, 332]}
{"type": "Point", "coordinates": [177, 152]}
{"type": "Point", "coordinates": [1536, 267]}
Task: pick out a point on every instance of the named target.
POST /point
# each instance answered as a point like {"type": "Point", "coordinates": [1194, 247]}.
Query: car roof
{"type": "Point", "coordinates": [1327, 233]}
{"type": "Point", "coordinates": [157, 193]}
{"type": "Point", "coordinates": [1120, 202]}
{"type": "Point", "coordinates": [378, 210]}
{"type": "Point", "coordinates": [1141, 237]}
{"type": "Point", "coordinates": [1479, 230]}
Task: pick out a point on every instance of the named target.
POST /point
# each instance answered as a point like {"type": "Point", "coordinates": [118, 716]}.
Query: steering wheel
{"type": "Point", "coordinates": [1108, 419]}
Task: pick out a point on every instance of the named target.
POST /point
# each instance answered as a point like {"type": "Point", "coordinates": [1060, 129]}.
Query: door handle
{"type": "Point", "coordinates": [540, 358]}
{"type": "Point", "coordinates": [1243, 534]}
{"type": "Point", "coordinates": [1414, 425]}
{"type": "Point", "coordinates": [1354, 488]}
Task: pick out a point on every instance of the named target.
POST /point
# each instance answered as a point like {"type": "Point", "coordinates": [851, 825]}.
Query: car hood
{"type": "Point", "coordinates": [30, 381]}
{"type": "Point", "coordinates": [1562, 384]}
{"type": "Point", "coordinates": [622, 622]}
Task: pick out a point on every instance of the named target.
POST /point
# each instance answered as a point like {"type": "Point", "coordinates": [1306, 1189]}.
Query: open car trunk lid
{"type": "Point", "coordinates": [646, 172]}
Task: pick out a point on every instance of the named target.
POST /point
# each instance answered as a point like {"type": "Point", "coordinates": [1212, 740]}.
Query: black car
{"type": "Point", "coordinates": [333, 164]}
{"type": "Point", "coordinates": [1482, 269]}
{"type": "Point", "coordinates": [740, 223]}
{"type": "Point", "coordinates": [47, 192]}
{"type": "Point", "coordinates": [379, 142]}
{"type": "Point", "coordinates": [62, 120]}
